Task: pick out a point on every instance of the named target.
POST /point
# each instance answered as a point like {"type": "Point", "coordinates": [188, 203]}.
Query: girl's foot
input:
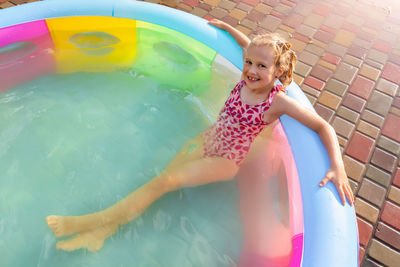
{"type": "Point", "coordinates": [92, 240]}
{"type": "Point", "coordinates": [61, 225]}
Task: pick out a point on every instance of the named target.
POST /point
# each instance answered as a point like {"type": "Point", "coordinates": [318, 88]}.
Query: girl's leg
{"type": "Point", "coordinates": [196, 171]}
{"type": "Point", "coordinates": [95, 228]}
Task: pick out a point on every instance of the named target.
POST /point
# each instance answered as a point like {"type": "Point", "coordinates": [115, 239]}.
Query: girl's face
{"type": "Point", "coordinates": [259, 70]}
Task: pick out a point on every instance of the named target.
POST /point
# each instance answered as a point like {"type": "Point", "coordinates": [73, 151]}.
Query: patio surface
{"type": "Point", "coordinates": [349, 67]}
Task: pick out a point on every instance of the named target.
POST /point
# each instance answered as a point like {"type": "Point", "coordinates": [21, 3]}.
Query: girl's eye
{"type": "Point", "coordinates": [248, 62]}
{"type": "Point", "coordinates": [261, 66]}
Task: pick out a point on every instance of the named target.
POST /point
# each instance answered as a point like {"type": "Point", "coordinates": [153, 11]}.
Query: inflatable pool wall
{"type": "Point", "coordinates": [28, 48]}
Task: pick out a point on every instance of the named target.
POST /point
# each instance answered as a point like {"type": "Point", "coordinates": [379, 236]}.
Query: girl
{"type": "Point", "coordinates": [254, 103]}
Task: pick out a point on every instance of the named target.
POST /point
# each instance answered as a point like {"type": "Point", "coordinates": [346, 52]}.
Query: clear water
{"type": "Point", "coordinates": [77, 143]}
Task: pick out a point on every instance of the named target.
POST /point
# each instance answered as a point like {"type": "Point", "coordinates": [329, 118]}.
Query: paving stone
{"type": "Point", "coordinates": [357, 51]}
{"type": "Point", "coordinates": [311, 98]}
{"type": "Point", "coordinates": [287, 29]}
{"type": "Point", "coordinates": [374, 64]}
{"type": "Point", "coordinates": [334, 21]}
{"type": "Point", "coordinates": [256, 16]}
{"type": "Point", "coordinates": [372, 192]}
{"type": "Point", "coordinates": [327, 65]}
{"type": "Point", "coordinates": [388, 235]}
{"type": "Point", "coordinates": [309, 90]}
{"type": "Point", "coordinates": [382, 46]}
{"type": "Point", "coordinates": [199, 12]}
{"type": "Point", "coordinates": [315, 49]}
{"type": "Point", "coordinates": [396, 178]}
{"type": "Point", "coordinates": [377, 56]}
{"type": "Point", "coordinates": [368, 262]}
{"type": "Point", "coordinates": [388, 145]}
{"type": "Point", "coordinates": [379, 103]}
{"type": "Point", "coordinates": [356, 20]}
{"type": "Point", "coordinates": [391, 214]}
{"type": "Point", "coordinates": [251, 2]}
{"type": "Point", "coordinates": [297, 45]}
{"type": "Point", "coordinates": [369, 72]}
{"type": "Point", "coordinates": [212, 3]}
{"type": "Point", "coordinates": [395, 111]}
{"type": "Point", "coordinates": [205, 7]}
{"type": "Point", "coordinates": [345, 73]}
{"type": "Point", "coordinates": [319, 43]}
{"type": "Point", "coordinates": [226, 4]}
{"type": "Point", "coordinates": [270, 23]}
{"type": "Point", "coordinates": [335, 60]}
{"type": "Point", "coordinates": [391, 72]}
{"type": "Point", "coordinates": [354, 102]}
{"type": "Point", "coordinates": [300, 37]}
{"type": "Point", "coordinates": [298, 79]}
{"type": "Point", "coordinates": [342, 143]}
{"type": "Point", "coordinates": [365, 44]}
{"type": "Point", "coordinates": [285, 35]}
{"type": "Point", "coordinates": [244, 7]}
{"type": "Point", "coordinates": [322, 9]}
{"type": "Point", "coordinates": [304, 9]}
{"type": "Point", "coordinates": [384, 160]}
{"type": "Point", "coordinates": [238, 14]}
{"type": "Point", "coordinates": [362, 87]}
{"type": "Point", "coordinates": [294, 20]}
{"type": "Point", "coordinates": [302, 69]}
{"type": "Point", "coordinates": [243, 29]}
{"type": "Point", "coordinates": [360, 147]}
{"type": "Point", "coordinates": [345, 129]}
{"type": "Point", "coordinates": [321, 73]}
{"type": "Point", "coordinates": [366, 210]}
{"type": "Point", "coordinates": [336, 49]}
{"type": "Point", "coordinates": [394, 195]}
{"type": "Point", "coordinates": [368, 129]}
{"type": "Point", "coordinates": [361, 254]}
{"type": "Point", "coordinates": [305, 30]}
{"type": "Point", "coordinates": [378, 175]}
{"type": "Point", "coordinates": [330, 100]}
{"type": "Point", "coordinates": [353, 186]}
{"type": "Point", "coordinates": [314, 20]}
{"type": "Point", "coordinates": [348, 114]}
{"type": "Point", "coordinates": [391, 127]}
{"type": "Point", "coordinates": [219, 13]}
{"type": "Point", "coordinates": [314, 83]}
{"type": "Point", "coordinates": [364, 231]}
{"type": "Point", "coordinates": [328, 29]}
{"type": "Point", "coordinates": [249, 24]}
{"type": "Point", "coordinates": [337, 87]}
{"type": "Point", "coordinates": [324, 112]}
{"type": "Point", "coordinates": [383, 253]}
{"type": "Point", "coordinates": [323, 36]}
{"type": "Point", "coordinates": [372, 118]}
{"type": "Point", "coordinates": [265, 9]}
{"type": "Point", "coordinates": [344, 38]}
{"type": "Point", "coordinates": [354, 169]}
{"type": "Point", "coordinates": [185, 7]}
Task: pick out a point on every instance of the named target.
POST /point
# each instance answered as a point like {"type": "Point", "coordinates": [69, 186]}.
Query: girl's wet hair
{"type": "Point", "coordinates": [285, 57]}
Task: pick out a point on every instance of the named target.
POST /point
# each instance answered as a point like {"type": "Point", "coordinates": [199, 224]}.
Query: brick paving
{"type": "Point", "coordinates": [349, 68]}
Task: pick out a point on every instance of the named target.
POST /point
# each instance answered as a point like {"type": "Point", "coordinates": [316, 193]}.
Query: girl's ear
{"type": "Point", "coordinates": [279, 72]}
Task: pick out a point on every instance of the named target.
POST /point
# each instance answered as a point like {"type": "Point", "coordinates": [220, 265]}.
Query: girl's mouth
{"type": "Point", "coordinates": [252, 79]}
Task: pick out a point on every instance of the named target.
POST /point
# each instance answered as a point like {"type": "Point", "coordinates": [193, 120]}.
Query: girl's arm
{"type": "Point", "coordinates": [285, 105]}
{"type": "Point", "coordinates": [239, 37]}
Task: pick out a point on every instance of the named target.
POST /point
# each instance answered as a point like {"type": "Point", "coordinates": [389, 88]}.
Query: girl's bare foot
{"type": "Point", "coordinates": [92, 239]}
{"type": "Point", "coordinates": [61, 225]}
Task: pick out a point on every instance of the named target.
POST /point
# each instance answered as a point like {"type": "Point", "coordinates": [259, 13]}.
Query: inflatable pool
{"type": "Point", "coordinates": [95, 99]}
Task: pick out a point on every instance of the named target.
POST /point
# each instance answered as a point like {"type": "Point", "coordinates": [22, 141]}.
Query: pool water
{"type": "Point", "coordinates": [72, 144]}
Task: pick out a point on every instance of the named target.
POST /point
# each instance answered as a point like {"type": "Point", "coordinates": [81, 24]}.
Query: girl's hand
{"type": "Point", "coordinates": [337, 175]}
{"type": "Point", "coordinates": [217, 23]}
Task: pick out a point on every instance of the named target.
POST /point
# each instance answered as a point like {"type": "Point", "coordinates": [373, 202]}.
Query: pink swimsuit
{"type": "Point", "coordinates": [238, 125]}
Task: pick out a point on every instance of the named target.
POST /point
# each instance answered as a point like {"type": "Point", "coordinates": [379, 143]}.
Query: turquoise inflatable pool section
{"type": "Point", "coordinates": [330, 229]}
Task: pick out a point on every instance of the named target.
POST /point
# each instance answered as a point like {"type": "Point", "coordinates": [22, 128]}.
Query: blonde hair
{"type": "Point", "coordinates": [285, 58]}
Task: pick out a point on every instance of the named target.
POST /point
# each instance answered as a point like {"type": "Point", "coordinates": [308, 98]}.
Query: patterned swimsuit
{"type": "Point", "coordinates": [237, 126]}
